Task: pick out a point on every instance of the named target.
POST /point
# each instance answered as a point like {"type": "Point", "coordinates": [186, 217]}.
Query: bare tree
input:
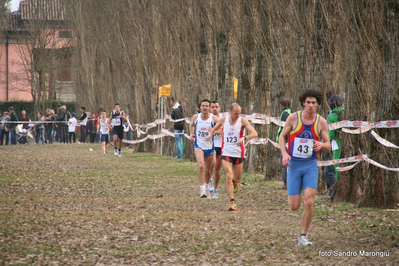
{"type": "Point", "coordinates": [44, 52]}
{"type": "Point", "coordinates": [274, 49]}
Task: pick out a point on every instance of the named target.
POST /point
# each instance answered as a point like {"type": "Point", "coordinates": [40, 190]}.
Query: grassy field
{"type": "Point", "coordinates": [71, 205]}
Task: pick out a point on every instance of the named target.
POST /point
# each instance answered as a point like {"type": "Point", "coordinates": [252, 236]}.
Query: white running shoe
{"type": "Point", "coordinates": [116, 151]}
{"type": "Point", "coordinates": [119, 154]}
{"type": "Point", "coordinates": [215, 194]}
{"type": "Point", "coordinates": [211, 185]}
{"type": "Point", "coordinates": [203, 193]}
{"type": "Point", "coordinates": [303, 241]}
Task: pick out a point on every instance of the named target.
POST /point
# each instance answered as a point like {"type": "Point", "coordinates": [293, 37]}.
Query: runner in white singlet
{"type": "Point", "coordinates": [103, 127]}
{"type": "Point", "coordinates": [203, 148]}
{"type": "Point", "coordinates": [233, 152]}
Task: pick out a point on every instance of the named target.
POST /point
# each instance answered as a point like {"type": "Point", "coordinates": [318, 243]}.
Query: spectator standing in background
{"type": "Point", "coordinates": [285, 106]}
{"type": "Point", "coordinates": [335, 115]}
{"type": "Point", "coordinates": [87, 127]}
{"type": "Point", "coordinates": [178, 127]}
{"type": "Point", "coordinates": [12, 126]}
{"type": "Point", "coordinates": [93, 128]}
{"type": "Point", "coordinates": [72, 124]}
{"type": "Point", "coordinates": [49, 126]}
{"type": "Point", "coordinates": [62, 123]}
{"type": "Point", "coordinates": [39, 127]}
{"type": "Point", "coordinates": [83, 121]}
{"type": "Point", "coordinates": [24, 118]}
{"type": "Point", "coordinates": [4, 128]}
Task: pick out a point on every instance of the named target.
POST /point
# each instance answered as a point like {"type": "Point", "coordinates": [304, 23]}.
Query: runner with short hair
{"type": "Point", "coordinates": [203, 149]}
{"type": "Point", "coordinates": [233, 149]}
{"type": "Point", "coordinates": [103, 127]}
{"type": "Point", "coordinates": [305, 130]}
{"type": "Point", "coordinates": [117, 121]}
{"type": "Point", "coordinates": [217, 140]}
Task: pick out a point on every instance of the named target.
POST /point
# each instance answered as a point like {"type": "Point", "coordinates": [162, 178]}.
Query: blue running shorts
{"type": "Point", "coordinates": [301, 174]}
{"type": "Point", "coordinates": [206, 152]}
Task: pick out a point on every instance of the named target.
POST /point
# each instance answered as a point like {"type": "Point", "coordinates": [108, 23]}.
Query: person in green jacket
{"type": "Point", "coordinates": [12, 126]}
{"type": "Point", "coordinates": [285, 106]}
{"type": "Point", "coordinates": [337, 111]}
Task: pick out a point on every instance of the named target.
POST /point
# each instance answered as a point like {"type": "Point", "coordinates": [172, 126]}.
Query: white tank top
{"type": "Point", "coordinates": [103, 126]}
{"type": "Point", "coordinates": [231, 134]}
{"type": "Point", "coordinates": [217, 139]}
{"type": "Point", "coordinates": [202, 130]}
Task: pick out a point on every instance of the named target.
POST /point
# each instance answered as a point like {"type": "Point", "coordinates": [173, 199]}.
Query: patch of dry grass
{"type": "Point", "coordinates": [67, 204]}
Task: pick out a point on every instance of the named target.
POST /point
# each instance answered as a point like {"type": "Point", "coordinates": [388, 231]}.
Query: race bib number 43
{"type": "Point", "coordinates": [303, 148]}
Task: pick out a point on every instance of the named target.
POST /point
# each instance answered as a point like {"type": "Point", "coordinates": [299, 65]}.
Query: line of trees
{"type": "Point", "coordinates": [126, 49]}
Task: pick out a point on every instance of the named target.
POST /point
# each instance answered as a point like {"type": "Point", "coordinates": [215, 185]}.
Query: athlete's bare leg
{"type": "Point", "coordinates": [307, 215]}
{"type": "Point", "coordinates": [209, 164]}
{"type": "Point", "coordinates": [115, 137]}
{"type": "Point", "coordinates": [237, 172]}
{"type": "Point", "coordinates": [295, 203]}
{"type": "Point", "coordinates": [217, 171]}
{"type": "Point", "coordinates": [232, 172]}
{"type": "Point", "coordinates": [120, 143]}
{"type": "Point", "coordinates": [104, 144]}
{"type": "Point", "coordinates": [199, 155]}
{"type": "Point", "coordinates": [228, 171]}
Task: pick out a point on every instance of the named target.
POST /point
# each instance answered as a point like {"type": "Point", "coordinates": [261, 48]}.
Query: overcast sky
{"type": "Point", "coordinates": [14, 5]}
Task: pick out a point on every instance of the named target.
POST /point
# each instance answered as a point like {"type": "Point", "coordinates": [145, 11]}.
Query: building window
{"type": "Point", "coordinates": [64, 34]}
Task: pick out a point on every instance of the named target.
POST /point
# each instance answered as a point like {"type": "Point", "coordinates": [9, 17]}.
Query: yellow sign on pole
{"type": "Point", "coordinates": [235, 87]}
{"type": "Point", "coordinates": [166, 90]}
{"type": "Point", "coordinates": [160, 92]}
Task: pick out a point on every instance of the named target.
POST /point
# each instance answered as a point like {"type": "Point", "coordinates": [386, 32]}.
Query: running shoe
{"type": "Point", "coordinates": [203, 193]}
{"type": "Point", "coordinates": [233, 206]}
{"type": "Point", "coordinates": [215, 193]}
{"type": "Point", "coordinates": [211, 185]}
{"type": "Point", "coordinates": [119, 154]}
{"type": "Point", "coordinates": [235, 187]}
{"type": "Point", "coordinates": [116, 151]}
{"type": "Point", "coordinates": [303, 241]}
{"type": "Point", "coordinates": [104, 153]}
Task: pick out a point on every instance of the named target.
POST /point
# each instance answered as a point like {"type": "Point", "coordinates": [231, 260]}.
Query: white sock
{"type": "Point", "coordinates": [202, 187]}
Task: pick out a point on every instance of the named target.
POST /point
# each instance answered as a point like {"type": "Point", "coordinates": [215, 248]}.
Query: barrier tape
{"type": "Point", "coordinates": [380, 165]}
{"type": "Point", "coordinates": [263, 141]}
{"type": "Point", "coordinates": [359, 130]}
{"type": "Point", "coordinates": [347, 168]}
{"type": "Point", "coordinates": [383, 141]}
{"type": "Point", "coordinates": [257, 118]}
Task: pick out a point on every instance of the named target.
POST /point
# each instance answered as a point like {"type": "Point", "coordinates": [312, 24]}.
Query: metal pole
{"type": "Point", "coordinates": [159, 114]}
{"type": "Point", "coordinates": [161, 124]}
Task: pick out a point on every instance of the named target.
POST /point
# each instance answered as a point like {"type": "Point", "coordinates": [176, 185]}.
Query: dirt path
{"type": "Point", "coordinates": [69, 204]}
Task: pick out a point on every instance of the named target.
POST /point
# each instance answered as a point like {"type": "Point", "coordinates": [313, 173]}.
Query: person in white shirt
{"type": "Point", "coordinates": [72, 123]}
